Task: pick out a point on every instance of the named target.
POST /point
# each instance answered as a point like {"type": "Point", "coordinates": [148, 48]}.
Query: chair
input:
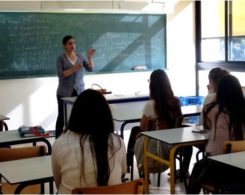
{"type": "Point", "coordinates": [229, 147]}
{"type": "Point", "coordinates": [234, 146]}
{"type": "Point", "coordinates": [132, 187]}
{"type": "Point", "coordinates": [8, 154]}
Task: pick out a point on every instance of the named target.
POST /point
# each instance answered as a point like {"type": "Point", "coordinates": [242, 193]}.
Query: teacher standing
{"type": "Point", "coordinates": [70, 66]}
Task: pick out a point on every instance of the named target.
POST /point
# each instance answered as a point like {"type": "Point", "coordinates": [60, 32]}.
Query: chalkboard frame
{"type": "Point", "coordinates": [46, 72]}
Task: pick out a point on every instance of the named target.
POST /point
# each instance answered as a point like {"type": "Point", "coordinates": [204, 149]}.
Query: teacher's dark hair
{"type": "Point", "coordinates": [91, 117]}
{"type": "Point", "coordinates": [66, 39]}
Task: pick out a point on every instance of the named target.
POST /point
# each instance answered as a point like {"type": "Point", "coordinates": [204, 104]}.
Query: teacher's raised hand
{"type": "Point", "coordinates": [91, 52]}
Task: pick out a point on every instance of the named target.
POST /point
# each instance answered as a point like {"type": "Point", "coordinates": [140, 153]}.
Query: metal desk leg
{"type": "Point", "coordinates": [34, 143]}
{"type": "Point", "coordinates": [172, 162]}
{"type": "Point", "coordinates": [5, 126]}
{"type": "Point", "coordinates": [48, 145]}
{"type": "Point", "coordinates": [42, 188]}
{"type": "Point", "coordinates": [125, 123]}
{"type": "Point", "coordinates": [51, 187]}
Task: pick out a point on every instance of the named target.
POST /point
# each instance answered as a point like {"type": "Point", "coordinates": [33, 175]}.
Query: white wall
{"type": "Point", "coordinates": [33, 101]}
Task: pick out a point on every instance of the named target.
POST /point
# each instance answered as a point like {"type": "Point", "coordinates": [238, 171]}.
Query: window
{"type": "Point", "coordinates": [213, 30]}
{"type": "Point", "coordinates": [221, 34]}
{"type": "Point", "coordinates": [236, 47]}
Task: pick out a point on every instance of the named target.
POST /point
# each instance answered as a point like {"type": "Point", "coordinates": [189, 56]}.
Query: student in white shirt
{"type": "Point", "coordinates": [88, 154]}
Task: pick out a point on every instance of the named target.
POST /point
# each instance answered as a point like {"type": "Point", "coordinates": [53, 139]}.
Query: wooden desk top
{"type": "Point", "coordinates": [17, 171]}
{"type": "Point", "coordinates": [236, 159]}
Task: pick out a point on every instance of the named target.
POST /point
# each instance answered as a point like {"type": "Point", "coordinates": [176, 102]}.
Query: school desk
{"type": "Point", "coordinates": [28, 171]}
{"type": "Point", "coordinates": [134, 114]}
{"type": "Point", "coordinates": [175, 138]}
{"type": "Point", "coordinates": [235, 159]}
{"type": "Point", "coordinates": [111, 99]}
{"type": "Point", "coordinates": [12, 137]}
{"type": "Point", "coordinates": [127, 108]}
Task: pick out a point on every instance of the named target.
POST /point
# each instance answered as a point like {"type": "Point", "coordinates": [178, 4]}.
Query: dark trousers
{"type": "Point", "coordinates": [130, 149]}
{"type": "Point", "coordinates": [225, 178]}
{"type": "Point", "coordinates": [60, 119]}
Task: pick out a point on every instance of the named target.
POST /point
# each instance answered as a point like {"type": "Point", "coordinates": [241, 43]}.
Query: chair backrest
{"type": "Point", "coordinates": [155, 124]}
{"type": "Point", "coordinates": [132, 187]}
{"type": "Point", "coordinates": [7, 154]}
{"type": "Point", "coordinates": [234, 146]}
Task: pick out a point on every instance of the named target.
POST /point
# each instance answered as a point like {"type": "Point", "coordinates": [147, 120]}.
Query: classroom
{"type": "Point", "coordinates": [195, 41]}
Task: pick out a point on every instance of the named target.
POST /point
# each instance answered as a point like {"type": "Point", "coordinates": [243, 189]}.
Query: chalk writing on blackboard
{"type": "Point", "coordinates": [31, 42]}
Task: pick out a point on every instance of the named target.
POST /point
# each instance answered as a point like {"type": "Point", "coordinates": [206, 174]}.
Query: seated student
{"type": "Point", "coordinates": [166, 108]}
{"type": "Point", "coordinates": [88, 154]}
{"type": "Point", "coordinates": [214, 76]}
{"type": "Point", "coordinates": [225, 118]}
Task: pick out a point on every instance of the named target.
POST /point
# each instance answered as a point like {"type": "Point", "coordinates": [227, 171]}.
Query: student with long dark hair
{"type": "Point", "coordinates": [225, 117]}
{"type": "Point", "coordinates": [164, 107]}
{"type": "Point", "coordinates": [214, 77]}
{"type": "Point", "coordinates": [88, 154]}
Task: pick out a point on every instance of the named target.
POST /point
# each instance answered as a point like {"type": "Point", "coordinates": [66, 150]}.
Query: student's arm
{"type": "Point", "coordinates": [148, 111]}
{"type": "Point", "coordinates": [144, 123]}
{"type": "Point", "coordinates": [124, 160]}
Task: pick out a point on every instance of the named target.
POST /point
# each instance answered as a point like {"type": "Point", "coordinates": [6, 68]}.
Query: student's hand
{"type": "Point", "coordinates": [91, 52]}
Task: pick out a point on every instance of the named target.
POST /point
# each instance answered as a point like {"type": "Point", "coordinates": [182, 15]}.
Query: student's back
{"type": "Point", "coordinates": [164, 107]}
{"type": "Point", "coordinates": [77, 168]}
{"type": "Point", "coordinates": [225, 117]}
{"type": "Point", "coordinates": [88, 153]}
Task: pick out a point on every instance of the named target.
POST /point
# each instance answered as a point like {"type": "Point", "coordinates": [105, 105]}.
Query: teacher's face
{"type": "Point", "coordinates": [70, 45]}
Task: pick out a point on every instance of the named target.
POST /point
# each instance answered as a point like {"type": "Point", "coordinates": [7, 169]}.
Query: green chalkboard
{"type": "Point", "coordinates": [31, 42]}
